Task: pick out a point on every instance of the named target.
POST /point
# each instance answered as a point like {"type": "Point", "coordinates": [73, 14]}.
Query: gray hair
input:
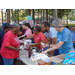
{"type": "Point", "coordinates": [58, 23]}
{"type": "Point", "coordinates": [15, 25]}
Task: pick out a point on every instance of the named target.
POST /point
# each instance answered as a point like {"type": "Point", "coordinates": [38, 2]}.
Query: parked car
{"type": "Point", "coordinates": [22, 22]}
{"type": "Point", "coordinates": [73, 21]}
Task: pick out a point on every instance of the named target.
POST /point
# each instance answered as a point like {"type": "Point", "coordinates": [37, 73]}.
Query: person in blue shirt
{"type": "Point", "coordinates": [64, 38]}
{"type": "Point", "coordinates": [6, 27]}
{"type": "Point", "coordinates": [73, 35]}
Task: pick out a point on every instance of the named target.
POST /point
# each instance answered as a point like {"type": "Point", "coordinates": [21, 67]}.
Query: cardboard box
{"type": "Point", "coordinates": [41, 62]}
{"type": "Point", "coordinates": [56, 59]}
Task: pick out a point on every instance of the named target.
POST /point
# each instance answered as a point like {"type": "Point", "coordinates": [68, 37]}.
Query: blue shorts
{"type": "Point", "coordinates": [56, 52]}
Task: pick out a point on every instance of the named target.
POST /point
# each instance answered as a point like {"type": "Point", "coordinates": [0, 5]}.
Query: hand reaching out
{"type": "Point", "coordinates": [43, 45]}
{"type": "Point", "coordinates": [18, 49]}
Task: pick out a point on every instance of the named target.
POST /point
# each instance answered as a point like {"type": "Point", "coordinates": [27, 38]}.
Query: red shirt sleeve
{"type": "Point", "coordinates": [34, 34]}
{"type": "Point", "coordinates": [7, 40]}
{"type": "Point", "coordinates": [42, 37]}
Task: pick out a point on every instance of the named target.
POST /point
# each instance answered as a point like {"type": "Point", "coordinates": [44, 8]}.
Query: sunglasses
{"type": "Point", "coordinates": [34, 30]}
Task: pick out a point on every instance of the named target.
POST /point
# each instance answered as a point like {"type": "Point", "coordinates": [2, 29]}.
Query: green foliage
{"type": "Point", "coordinates": [61, 13]}
{"type": "Point", "coordinates": [72, 15]}
{"type": "Point", "coordinates": [69, 25]}
{"type": "Point", "coordinates": [22, 14]}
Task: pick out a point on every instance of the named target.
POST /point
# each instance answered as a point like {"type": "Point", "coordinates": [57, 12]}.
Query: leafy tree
{"type": "Point", "coordinates": [22, 14]}
{"type": "Point", "coordinates": [72, 15]}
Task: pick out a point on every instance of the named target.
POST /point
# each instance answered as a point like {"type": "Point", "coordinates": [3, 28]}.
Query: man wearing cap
{"type": "Point", "coordinates": [3, 25]}
{"type": "Point", "coordinates": [6, 28]}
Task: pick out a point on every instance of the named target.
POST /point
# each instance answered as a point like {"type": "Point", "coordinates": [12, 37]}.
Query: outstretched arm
{"type": "Point", "coordinates": [21, 36]}
{"type": "Point", "coordinates": [29, 37]}
{"type": "Point", "coordinates": [54, 48]}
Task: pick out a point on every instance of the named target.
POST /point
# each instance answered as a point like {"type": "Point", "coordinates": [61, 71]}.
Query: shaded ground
{"type": "Point", "coordinates": [20, 63]}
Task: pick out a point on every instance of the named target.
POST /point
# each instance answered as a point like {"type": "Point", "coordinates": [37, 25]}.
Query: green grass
{"type": "Point", "coordinates": [70, 25]}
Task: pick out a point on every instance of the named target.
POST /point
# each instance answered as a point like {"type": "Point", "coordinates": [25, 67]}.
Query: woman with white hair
{"type": "Point", "coordinates": [64, 38]}
{"type": "Point", "coordinates": [11, 45]}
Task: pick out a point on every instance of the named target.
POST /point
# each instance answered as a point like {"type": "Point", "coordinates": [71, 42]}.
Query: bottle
{"type": "Point", "coordinates": [29, 52]}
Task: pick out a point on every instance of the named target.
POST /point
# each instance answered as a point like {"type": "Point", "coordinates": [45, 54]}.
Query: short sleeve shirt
{"type": "Point", "coordinates": [52, 33]}
{"type": "Point", "coordinates": [23, 32]}
{"type": "Point", "coordinates": [28, 32]}
{"type": "Point", "coordinates": [66, 37]}
{"type": "Point", "coordinates": [73, 35]}
{"type": "Point", "coordinates": [10, 39]}
{"type": "Point", "coordinates": [39, 38]}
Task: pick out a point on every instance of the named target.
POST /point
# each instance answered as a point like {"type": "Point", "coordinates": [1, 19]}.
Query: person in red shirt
{"type": "Point", "coordinates": [38, 36]}
{"type": "Point", "coordinates": [11, 45]}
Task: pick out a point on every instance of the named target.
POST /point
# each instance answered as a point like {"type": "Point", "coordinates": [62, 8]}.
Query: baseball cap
{"type": "Point", "coordinates": [37, 21]}
{"type": "Point", "coordinates": [5, 26]}
{"type": "Point", "coordinates": [4, 23]}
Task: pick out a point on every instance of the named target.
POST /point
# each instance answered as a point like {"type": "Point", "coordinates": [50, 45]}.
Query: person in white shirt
{"type": "Point", "coordinates": [37, 23]}
{"type": "Point", "coordinates": [51, 35]}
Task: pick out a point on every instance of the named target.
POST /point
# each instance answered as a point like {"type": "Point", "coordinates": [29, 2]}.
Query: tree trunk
{"type": "Point", "coordinates": [38, 14]}
{"type": "Point", "coordinates": [18, 16]}
{"type": "Point", "coordinates": [33, 16]}
{"type": "Point", "coordinates": [61, 13]}
{"type": "Point", "coordinates": [67, 18]}
{"type": "Point", "coordinates": [43, 14]}
{"type": "Point", "coordinates": [46, 14]}
{"type": "Point", "coordinates": [5, 15]}
{"type": "Point", "coordinates": [29, 11]}
{"type": "Point", "coordinates": [13, 15]}
{"type": "Point", "coordinates": [58, 13]}
{"type": "Point", "coordinates": [8, 15]}
{"type": "Point", "coordinates": [49, 15]}
{"type": "Point", "coordinates": [54, 14]}
{"type": "Point", "coordinates": [2, 15]}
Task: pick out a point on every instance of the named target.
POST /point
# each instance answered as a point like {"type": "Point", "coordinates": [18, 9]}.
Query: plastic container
{"type": "Point", "coordinates": [22, 47]}
{"type": "Point", "coordinates": [34, 51]}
